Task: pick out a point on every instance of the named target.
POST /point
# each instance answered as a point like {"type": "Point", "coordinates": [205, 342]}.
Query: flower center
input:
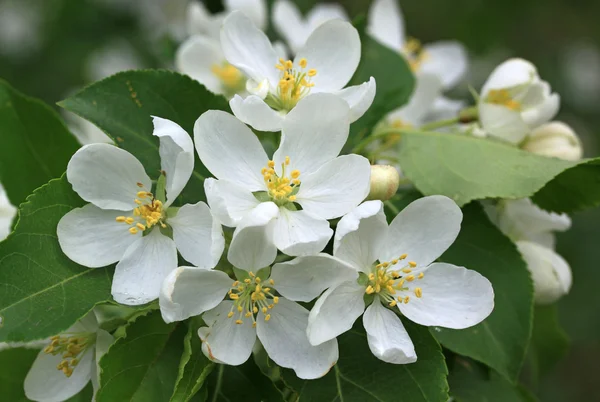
{"type": "Point", "coordinates": [148, 213]}
{"type": "Point", "coordinates": [414, 53]}
{"type": "Point", "coordinates": [71, 346]}
{"type": "Point", "coordinates": [249, 297]}
{"type": "Point", "coordinates": [231, 78]}
{"type": "Point", "coordinates": [294, 84]}
{"type": "Point", "coordinates": [388, 282]}
{"type": "Point", "coordinates": [502, 97]}
{"type": "Point", "coordinates": [281, 189]}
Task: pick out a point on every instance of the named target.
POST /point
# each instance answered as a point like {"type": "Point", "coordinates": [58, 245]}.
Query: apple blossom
{"type": "Point", "coordinates": [555, 139]}
{"type": "Point", "coordinates": [393, 269]}
{"type": "Point", "coordinates": [124, 221]}
{"type": "Point", "coordinates": [385, 180]}
{"type": "Point", "coordinates": [514, 100]}
{"type": "Point", "coordinates": [325, 64]}
{"type": "Point", "coordinates": [259, 195]}
{"type": "Point", "coordinates": [68, 362]}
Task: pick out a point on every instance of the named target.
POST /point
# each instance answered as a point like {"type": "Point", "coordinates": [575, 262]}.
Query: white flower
{"type": "Point", "coordinates": [428, 88]}
{"type": "Point", "coordinates": [252, 310]}
{"type": "Point", "coordinates": [324, 65]}
{"type": "Point", "coordinates": [7, 214]}
{"type": "Point", "coordinates": [258, 195]}
{"type": "Point", "coordinates": [514, 100]}
{"type": "Point", "coordinates": [68, 363]}
{"type": "Point", "coordinates": [531, 228]}
{"type": "Point", "coordinates": [555, 139]}
{"type": "Point", "coordinates": [385, 180]}
{"type": "Point", "coordinates": [445, 59]}
{"type": "Point", "coordinates": [295, 28]}
{"type": "Point", "coordinates": [392, 267]}
{"type": "Point", "coordinates": [123, 221]}
{"type": "Point", "coordinates": [200, 21]}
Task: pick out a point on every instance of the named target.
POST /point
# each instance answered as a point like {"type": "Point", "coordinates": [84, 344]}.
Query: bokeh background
{"type": "Point", "coordinates": [50, 48]}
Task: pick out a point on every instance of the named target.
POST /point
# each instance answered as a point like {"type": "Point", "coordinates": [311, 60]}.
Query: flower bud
{"type": "Point", "coordinates": [550, 273]}
{"type": "Point", "coordinates": [384, 182]}
{"type": "Point", "coordinates": [554, 139]}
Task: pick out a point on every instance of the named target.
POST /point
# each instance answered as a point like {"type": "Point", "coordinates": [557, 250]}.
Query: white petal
{"type": "Point", "coordinates": [197, 235]}
{"type": "Point", "coordinates": [248, 48]}
{"type": "Point", "coordinates": [502, 122]}
{"type": "Point", "coordinates": [324, 12]}
{"type": "Point", "coordinates": [200, 21]}
{"type": "Point", "coordinates": [284, 339]}
{"type": "Point", "coordinates": [305, 278]}
{"type": "Point", "coordinates": [335, 312]}
{"type": "Point", "coordinates": [103, 342]}
{"type": "Point", "coordinates": [359, 98]}
{"type": "Point", "coordinates": [551, 274]}
{"type": "Point", "coordinates": [360, 235]}
{"type": "Point", "coordinates": [428, 88]}
{"type": "Point", "coordinates": [522, 219]}
{"type": "Point", "coordinates": [386, 23]}
{"type": "Point", "coordinates": [256, 10]}
{"type": "Point", "coordinates": [313, 133]}
{"type": "Point", "coordinates": [107, 176]}
{"type": "Point", "coordinates": [453, 297]}
{"type": "Point", "coordinates": [176, 155]}
{"type": "Point", "coordinates": [337, 187]}
{"type": "Point", "coordinates": [300, 233]}
{"type": "Point", "coordinates": [140, 273]}
{"type": "Point", "coordinates": [229, 202]}
{"type": "Point", "coordinates": [224, 340]}
{"type": "Point", "coordinates": [544, 113]}
{"type": "Point", "coordinates": [88, 323]}
{"type": "Point", "coordinates": [333, 49]}
{"type": "Point", "coordinates": [252, 245]}
{"type": "Point", "coordinates": [447, 60]}
{"type": "Point", "coordinates": [47, 384]}
{"type": "Point", "coordinates": [388, 340]}
{"type": "Point", "coordinates": [7, 214]}
{"type": "Point", "coordinates": [92, 237]}
{"type": "Point", "coordinates": [187, 292]}
{"type": "Point", "coordinates": [254, 111]}
{"type": "Point", "coordinates": [445, 108]}
{"type": "Point", "coordinates": [511, 73]}
{"type": "Point", "coordinates": [196, 57]}
{"type": "Point", "coordinates": [289, 23]}
{"type": "Point", "coordinates": [229, 149]}
{"type": "Point", "coordinates": [423, 230]}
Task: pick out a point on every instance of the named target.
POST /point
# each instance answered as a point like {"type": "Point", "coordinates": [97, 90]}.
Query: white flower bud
{"type": "Point", "coordinates": [550, 273]}
{"type": "Point", "coordinates": [384, 182]}
{"type": "Point", "coordinates": [555, 139]}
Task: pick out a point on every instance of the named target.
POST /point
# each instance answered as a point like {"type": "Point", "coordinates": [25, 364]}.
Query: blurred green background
{"type": "Point", "coordinates": [49, 48]}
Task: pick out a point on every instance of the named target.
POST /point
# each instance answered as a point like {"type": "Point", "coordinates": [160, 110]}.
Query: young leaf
{"type": "Point", "coordinates": [466, 168]}
{"type": "Point", "coordinates": [194, 367]}
{"type": "Point", "coordinates": [359, 376]}
{"type": "Point", "coordinates": [394, 80]}
{"type": "Point", "coordinates": [501, 340]}
{"type": "Point", "coordinates": [42, 292]}
{"type": "Point", "coordinates": [36, 145]}
{"type": "Point", "coordinates": [122, 106]}
{"type": "Point", "coordinates": [142, 365]}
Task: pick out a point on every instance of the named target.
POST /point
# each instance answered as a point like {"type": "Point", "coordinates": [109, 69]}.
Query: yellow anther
{"type": "Point", "coordinates": [369, 290]}
{"type": "Point", "coordinates": [394, 262]}
{"type": "Point", "coordinates": [239, 322]}
{"type": "Point", "coordinates": [142, 194]}
{"type": "Point", "coordinates": [230, 77]}
{"type": "Point", "coordinates": [392, 303]}
{"type": "Point", "coordinates": [410, 278]}
{"type": "Point", "coordinates": [137, 201]}
{"type": "Point", "coordinates": [295, 174]}
{"type": "Point", "coordinates": [234, 296]}
{"type": "Point", "coordinates": [133, 230]}
{"type": "Point", "coordinates": [140, 226]}
{"type": "Point", "coordinates": [276, 300]}
{"type": "Point", "coordinates": [247, 280]}
{"type": "Point", "coordinates": [287, 160]}
{"type": "Point", "coordinates": [289, 65]}
{"type": "Point", "coordinates": [412, 264]}
{"type": "Point", "coordinates": [312, 72]}
{"type": "Point", "coordinates": [140, 185]}
{"type": "Point", "coordinates": [406, 299]}
{"type": "Point", "coordinates": [255, 309]}
{"type": "Point", "coordinates": [230, 314]}
{"type": "Point", "coordinates": [235, 284]}
{"type": "Point", "coordinates": [74, 362]}
{"type": "Point", "coordinates": [254, 324]}
{"type": "Point", "coordinates": [120, 219]}
{"type": "Point", "coordinates": [403, 256]}
{"type": "Point", "coordinates": [372, 276]}
{"type": "Point", "coordinates": [421, 275]}
{"type": "Point", "coordinates": [267, 317]}
{"type": "Point", "coordinates": [257, 280]}
{"type": "Point", "coordinates": [239, 309]}
{"type": "Point", "coordinates": [377, 288]}
{"type": "Point", "coordinates": [271, 164]}
{"type": "Point", "coordinates": [129, 220]}
{"type": "Point", "coordinates": [302, 63]}
{"type": "Point", "coordinates": [252, 275]}
{"type": "Point", "coordinates": [406, 270]}
{"type": "Point", "coordinates": [385, 264]}
{"type": "Point", "coordinates": [248, 314]}
{"type": "Point", "coordinates": [418, 292]}
{"type": "Point", "coordinates": [49, 349]}
{"type": "Point", "coordinates": [271, 281]}
{"type": "Point", "coordinates": [292, 198]}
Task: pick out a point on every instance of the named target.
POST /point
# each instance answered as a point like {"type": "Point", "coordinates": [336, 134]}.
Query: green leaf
{"type": "Point", "coordinates": [501, 340]}
{"type": "Point", "coordinates": [142, 365]}
{"type": "Point", "coordinates": [42, 292]}
{"type": "Point", "coordinates": [549, 343]}
{"type": "Point", "coordinates": [14, 365]}
{"type": "Point", "coordinates": [470, 382]}
{"type": "Point", "coordinates": [573, 190]}
{"type": "Point", "coordinates": [36, 145]}
{"type": "Point", "coordinates": [241, 383]}
{"type": "Point", "coordinates": [194, 367]}
{"type": "Point", "coordinates": [394, 79]}
{"type": "Point", "coordinates": [361, 377]}
{"type": "Point", "coordinates": [465, 168]}
{"type": "Point", "coordinates": [122, 106]}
